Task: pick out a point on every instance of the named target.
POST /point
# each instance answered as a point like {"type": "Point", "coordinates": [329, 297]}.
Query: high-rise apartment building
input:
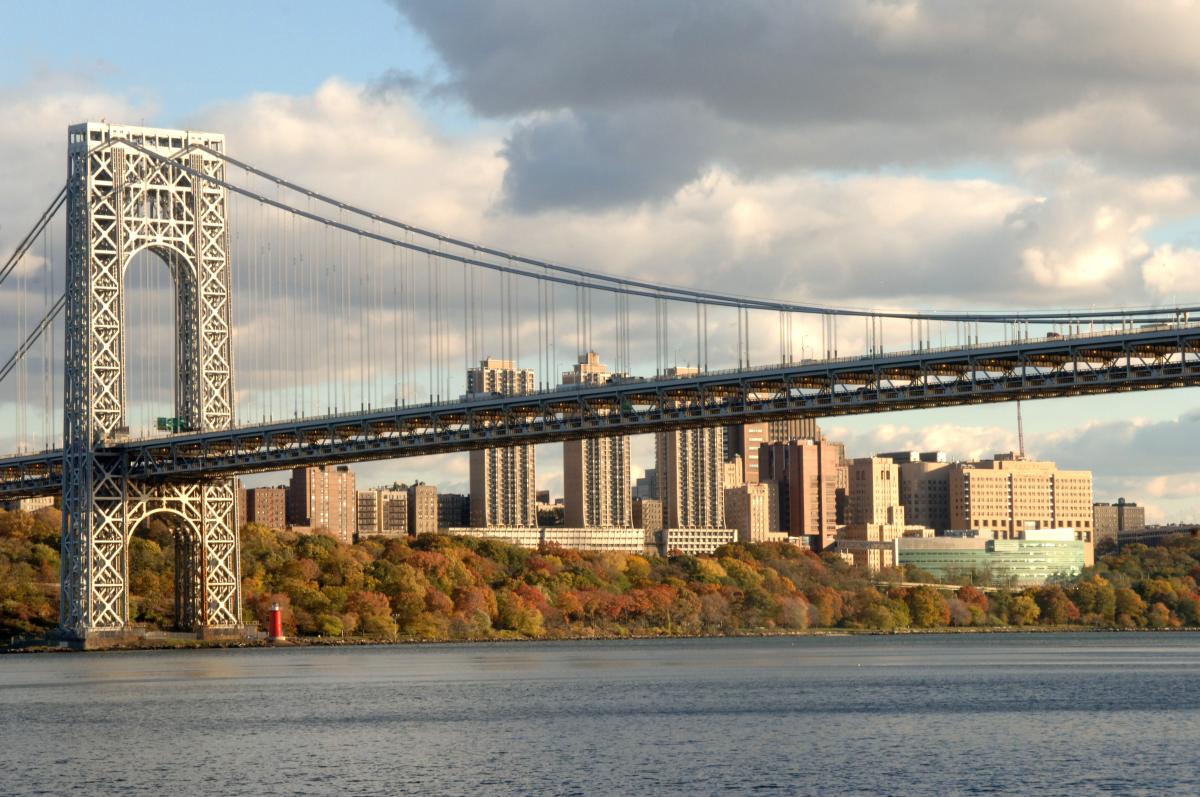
{"type": "Point", "coordinates": [745, 439]}
{"type": "Point", "coordinates": [596, 488]}
{"type": "Point", "coordinates": [925, 493]}
{"type": "Point", "coordinates": [808, 473]}
{"type": "Point", "coordinates": [367, 517]}
{"type": "Point", "coordinates": [924, 487]}
{"type": "Point", "coordinates": [324, 498]}
{"type": "Point", "coordinates": [503, 491]}
{"type": "Point", "coordinates": [454, 510]}
{"type": "Point", "coordinates": [422, 509]}
{"type": "Point", "coordinates": [688, 468]}
{"type": "Point", "coordinates": [1007, 495]}
{"type": "Point", "coordinates": [733, 473]}
{"type": "Point", "coordinates": [691, 478]}
{"type": "Point", "coordinates": [382, 513]}
{"type": "Point", "coordinates": [266, 506]}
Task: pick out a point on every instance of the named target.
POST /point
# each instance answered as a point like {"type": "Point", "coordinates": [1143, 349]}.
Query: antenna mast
{"type": "Point", "coordinates": [1020, 432]}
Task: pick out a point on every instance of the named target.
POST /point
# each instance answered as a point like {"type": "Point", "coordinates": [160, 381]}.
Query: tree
{"type": "Point", "coordinates": [374, 613]}
{"type": "Point", "coordinates": [516, 614]}
{"type": "Point", "coordinates": [1130, 608]}
{"type": "Point", "coordinates": [1096, 600]}
{"type": "Point", "coordinates": [1054, 605]}
{"type": "Point", "coordinates": [1024, 611]}
{"type": "Point", "coordinates": [928, 607]}
{"type": "Point", "coordinates": [1160, 616]}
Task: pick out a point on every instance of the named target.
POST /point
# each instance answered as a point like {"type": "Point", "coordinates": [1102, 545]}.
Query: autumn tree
{"type": "Point", "coordinates": [928, 607]}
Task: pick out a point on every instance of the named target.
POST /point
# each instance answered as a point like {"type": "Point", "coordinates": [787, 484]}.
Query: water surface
{"type": "Point", "coordinates": [1028, 714]}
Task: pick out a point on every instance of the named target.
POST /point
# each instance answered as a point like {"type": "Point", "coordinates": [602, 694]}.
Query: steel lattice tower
{"type": "Point", "coordinates": [122, 201]}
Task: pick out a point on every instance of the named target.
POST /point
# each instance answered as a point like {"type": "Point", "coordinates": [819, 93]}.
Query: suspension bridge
{"type": "Point", "coordinates": [177, 317]}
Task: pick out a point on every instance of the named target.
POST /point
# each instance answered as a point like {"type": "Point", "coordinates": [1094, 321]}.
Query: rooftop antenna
{"type": "Point", "coordinates": [1020, 433]}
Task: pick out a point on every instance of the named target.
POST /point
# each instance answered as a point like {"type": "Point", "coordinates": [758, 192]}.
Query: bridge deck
{"type": "Point", "coordinates": [1163, 356]}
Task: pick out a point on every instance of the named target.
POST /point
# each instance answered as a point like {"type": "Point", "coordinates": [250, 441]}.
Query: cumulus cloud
{"type": "Point", "coordinates": [1134, 447]}
{"type": "Point", "coordinates": [1168, 269]}
{"type": "Point", "coordinates": [1062, 234]}
{"type": "Point", "coordinates": [665, 91]}
{"type": "Point", "coordinates": [958, 441]}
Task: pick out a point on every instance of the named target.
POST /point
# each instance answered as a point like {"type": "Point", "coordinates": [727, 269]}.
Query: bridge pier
{"type": "Point", "coordinates": [120, 201]}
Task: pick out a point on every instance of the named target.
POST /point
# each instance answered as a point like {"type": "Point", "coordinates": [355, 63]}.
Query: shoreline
{"type": "Point", "coordinates": [48, 646]}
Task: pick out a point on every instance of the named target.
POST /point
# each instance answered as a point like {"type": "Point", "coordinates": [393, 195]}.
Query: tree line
{"type": "Point", "coordinates": [437, 587]}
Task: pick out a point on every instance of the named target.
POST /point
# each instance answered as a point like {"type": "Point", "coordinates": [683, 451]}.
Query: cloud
{"type": "Point", "coordinates": [960, 442]}
{"type": "Point", "coordinates": [1169, 269]}
{"type": "Point", "coordinates": [872, 238]}
{"type": "Point", "coordinates": [1135, 447]}
{"type": "Point", "coordinates": [666, 91]}
{"type": "Point", "coordinates": [33, 141]}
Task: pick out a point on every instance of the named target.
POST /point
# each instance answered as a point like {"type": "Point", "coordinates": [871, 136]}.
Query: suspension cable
{"type": "Point", "coordinates": [614, 283]}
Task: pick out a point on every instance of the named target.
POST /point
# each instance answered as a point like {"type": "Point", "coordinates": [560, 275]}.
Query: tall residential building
{"type": "Point", "coordinates": [367, 517]}
{"type": "Point", "coordinates": [688, 467]}
{"type": "Point", "coordinates": [324, 498]}
{"type": "Point", "coordinates": [1111, 520]}
{"type": "Point", "coordinates": [875, 492]}
{"type": "Point", "coordinates": [454, 511]}
{"type": "Point", "coordinates": [744, 440]}
{"type": "Point", "coordinates": [1007, 495]}
{"type": "Point", "coordinates": [691, 478]}
{"type": "Point", "coordinates": [422, 509]}
{"type": "Point", "coordinates": [503, 491]}
{"type": "Point", "coordinates": [809, 469]}
{"type": "Point", "coordinates": [753, 509]}
{"type": "Point", "coordinates": [382, 513]}
{"type": "Point", "coordinates": [266, 506]}
{"type": "Point", "coordinates": [596, 489]}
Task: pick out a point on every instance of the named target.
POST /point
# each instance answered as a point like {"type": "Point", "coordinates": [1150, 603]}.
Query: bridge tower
{"type": "Point", "coordinates": [122, 200]}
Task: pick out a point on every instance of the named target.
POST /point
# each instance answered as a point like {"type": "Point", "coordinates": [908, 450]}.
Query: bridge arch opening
{"type": "Point", "coordinates": [162, 560]}
{"type": "Point", "coordinates": [151, 340]}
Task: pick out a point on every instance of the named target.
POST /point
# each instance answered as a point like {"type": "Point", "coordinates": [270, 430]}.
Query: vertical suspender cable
{"type": "Point", "coordinates": [429, 320]}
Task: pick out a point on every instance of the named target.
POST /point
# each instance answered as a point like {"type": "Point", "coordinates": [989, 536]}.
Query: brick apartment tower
{"type": "Point", "coordinates": [324, 498]}
{"type": "Point", "coordinates": [266, 506]}
{"type": "Point", "coordinates": [689, 466]}
{"type": "Point", "coordinates": [503, 492]}
{"type": "Point", "coordinates": [744, 441]}
{"type": "Point", "coordinates": [808, 472]}
{"type": "Point", "coordinates": [596, 488]}
{"type": "Point", "coordinates": [422, 509]}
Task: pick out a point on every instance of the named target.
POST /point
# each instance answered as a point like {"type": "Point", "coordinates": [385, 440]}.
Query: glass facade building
{"type": "Point", "coordinates": [1033, 560]}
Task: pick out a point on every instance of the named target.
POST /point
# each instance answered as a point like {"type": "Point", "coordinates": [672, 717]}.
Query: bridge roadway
{"type": "Point", "coordinates": [1143, 358]}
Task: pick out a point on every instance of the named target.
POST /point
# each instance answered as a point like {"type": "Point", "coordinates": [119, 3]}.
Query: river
{"type": "Point", "coordinates": [1024, 714]}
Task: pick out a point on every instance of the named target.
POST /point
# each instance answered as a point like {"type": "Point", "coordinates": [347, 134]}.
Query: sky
{"type": "Point", "coordinates": [927, 154]}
